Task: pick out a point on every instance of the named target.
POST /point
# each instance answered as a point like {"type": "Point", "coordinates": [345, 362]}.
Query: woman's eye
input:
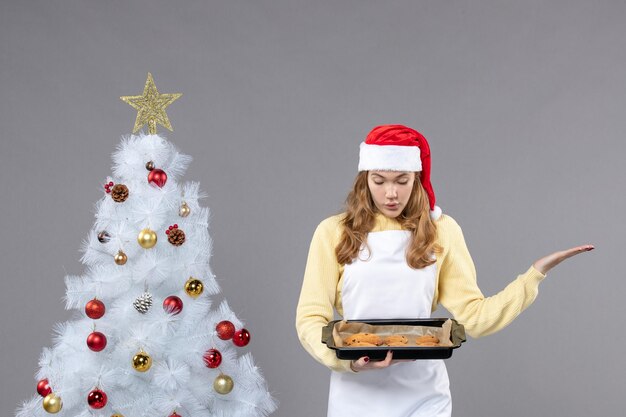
{"type": "Point", "coordinates": [403, 182]}
{"type": "Point", "coordinates": [378, 183]}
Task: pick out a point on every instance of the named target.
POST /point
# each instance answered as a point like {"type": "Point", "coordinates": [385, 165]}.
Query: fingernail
{"type": "Point", "coordinates": [366, 359]}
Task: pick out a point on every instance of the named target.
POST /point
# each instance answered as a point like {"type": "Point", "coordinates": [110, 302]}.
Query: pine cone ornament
{"type": "Point", "coordinates": [175, 236]}
{"type": "Point", "coordinates": [143, 303]}
{"type": "Point", "coordinates": [119, 193]}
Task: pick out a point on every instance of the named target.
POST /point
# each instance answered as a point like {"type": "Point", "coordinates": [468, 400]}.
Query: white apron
{"type": "Point", "coordinates": [381, 285]}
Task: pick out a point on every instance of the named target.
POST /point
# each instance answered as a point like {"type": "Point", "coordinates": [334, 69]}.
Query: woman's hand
{"type": "Point", "coordinates": [364, 363]}
{"type": "Point", "coordinates": [546, 263]}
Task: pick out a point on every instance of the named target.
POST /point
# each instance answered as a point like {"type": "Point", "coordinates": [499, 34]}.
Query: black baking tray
{"type": "Point", "coordinates": [457, 336]}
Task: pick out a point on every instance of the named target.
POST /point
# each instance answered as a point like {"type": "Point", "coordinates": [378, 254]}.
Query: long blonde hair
{"type": "Point", "coordinates": [361, 216]}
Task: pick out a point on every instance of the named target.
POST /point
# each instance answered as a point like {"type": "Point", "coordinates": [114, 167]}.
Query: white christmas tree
{"type": "Point", "coordinates": [145, 339]}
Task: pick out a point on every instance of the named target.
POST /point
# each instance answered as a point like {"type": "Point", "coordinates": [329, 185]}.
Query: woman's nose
{"type": "Point", "coordinates": [391, 192]}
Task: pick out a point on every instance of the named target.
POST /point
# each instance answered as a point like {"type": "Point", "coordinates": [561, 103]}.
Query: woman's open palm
{"type": "Point", "coordinates": [548, 262]}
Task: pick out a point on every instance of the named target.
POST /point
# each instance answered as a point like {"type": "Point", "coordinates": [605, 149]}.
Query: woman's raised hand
{"type": "Point", "coordinates": [548, 262]}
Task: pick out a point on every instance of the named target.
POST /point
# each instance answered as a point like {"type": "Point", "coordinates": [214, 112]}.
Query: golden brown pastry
{"type": "Point", "coordinates": [427, 340]}
{"type": "Point", "coordinates": [363, 337]}
{"type": "Point", "coordinates": [396, 340]}
{"type": "Point", "coordinates": [361, 344]}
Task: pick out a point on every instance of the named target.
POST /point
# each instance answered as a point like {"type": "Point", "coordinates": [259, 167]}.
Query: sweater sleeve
{"type": "Point", "coordinates": [459, 292]}
{"type": "Point", "coordinates": [317, 297]}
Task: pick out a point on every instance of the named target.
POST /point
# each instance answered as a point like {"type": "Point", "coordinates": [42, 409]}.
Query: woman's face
{"type": "Point", "coordinates": [390, 190]}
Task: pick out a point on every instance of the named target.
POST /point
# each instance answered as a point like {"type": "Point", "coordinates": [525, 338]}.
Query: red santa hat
{"type": "Point", "coordinates": [399, 148]}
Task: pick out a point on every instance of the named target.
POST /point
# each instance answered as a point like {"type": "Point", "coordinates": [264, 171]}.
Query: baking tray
{"type": "Point", "coordinates": [457, 336]}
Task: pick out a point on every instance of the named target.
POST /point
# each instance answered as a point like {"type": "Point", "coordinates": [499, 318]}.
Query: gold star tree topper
{"type": "Point", "coordinates": [151, 107]}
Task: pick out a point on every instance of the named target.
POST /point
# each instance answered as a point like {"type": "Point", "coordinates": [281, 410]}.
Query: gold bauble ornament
{"type": "Point", "coordinates": [117, 415]}
{"type": "Point", "coordinates": [142, 361]}
{"type": "Point", "coordinates": [194, 287]}
{"type": "Point", "coordinates": [223, 384]}
{"type": "Point", "coordinates": [184, 210]}
{"type": "Point", "coordinates": [120, 258]}
{"type": "Point", "coordinates": [147, 238]}
{"type": "Point", "coordinates": [52, 403]}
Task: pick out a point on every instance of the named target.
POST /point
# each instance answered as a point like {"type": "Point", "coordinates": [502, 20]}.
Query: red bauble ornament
{"type": "Point", "coordinates": [241, 337]}
{"type": "Point", "coordinates": [157, 177]}
{"type": "Point", "coordinates": [173, 304]}
{"type": "Point", "coordinates": [225, 330]}
{"type": "Point", "coordinates": [43, 387]}
{"type": "Point", "coordinates": [212, 358]}
{"type": "Point", "coordinates": [96, 341]}
{"type": "Point", "coordinates": [97, 399]}
{"type": "Point", "coordinates": [174, 414]}
{"type": "Point", "coordinates": [95, 309]}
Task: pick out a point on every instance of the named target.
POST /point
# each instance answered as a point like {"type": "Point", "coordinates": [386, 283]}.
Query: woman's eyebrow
{"type": "Point", "coordinates": [395, 178]}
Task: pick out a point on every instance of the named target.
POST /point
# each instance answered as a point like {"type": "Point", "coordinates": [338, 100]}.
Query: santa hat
{"type": "Point", "coordinates": [399, 148]}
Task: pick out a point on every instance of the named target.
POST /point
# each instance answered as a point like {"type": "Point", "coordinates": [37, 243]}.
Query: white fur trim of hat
{"type": "Point", "coordinates": [389, 158]}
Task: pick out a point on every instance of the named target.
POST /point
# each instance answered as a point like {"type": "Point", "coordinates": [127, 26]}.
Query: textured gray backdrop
{"type": "Point", "coordinates": [524, 104]}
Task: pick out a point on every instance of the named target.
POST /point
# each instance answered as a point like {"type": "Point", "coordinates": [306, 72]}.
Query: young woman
{"type": "Point", "coordinates": [393, 254]}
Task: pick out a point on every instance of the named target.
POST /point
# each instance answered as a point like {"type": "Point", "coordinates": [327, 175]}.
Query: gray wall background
{"type": "Point", "coordinates": [524, 105]}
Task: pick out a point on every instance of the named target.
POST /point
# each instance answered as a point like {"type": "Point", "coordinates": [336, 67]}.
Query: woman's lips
{"type": "Point", "coordinates": [391, 206]}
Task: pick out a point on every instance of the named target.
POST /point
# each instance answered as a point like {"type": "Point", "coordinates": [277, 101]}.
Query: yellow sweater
{"type": "Point", "coordinates": [456, 287]}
